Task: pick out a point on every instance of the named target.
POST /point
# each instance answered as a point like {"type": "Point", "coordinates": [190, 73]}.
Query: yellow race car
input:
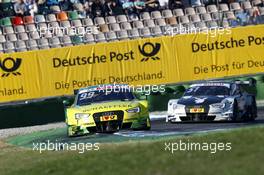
{"type": "Point", "coordinates": [106, 108]}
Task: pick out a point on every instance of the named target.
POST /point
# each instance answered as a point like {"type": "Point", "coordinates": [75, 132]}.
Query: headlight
{"type": "Point", "coordinates": [223, 105]}
{"type": "Point", "coordinates": [79, 116]}
{"type": "Point", "coordinates": [174, 106]}
{"type": "Point", "coordinates": [134, 110]}
{"type": "Point", "coordinates": [228, 104]}
{"type": "Point", "coordinates": [177, 106]}
{"type": "Point", "coordinates": [218, 105]}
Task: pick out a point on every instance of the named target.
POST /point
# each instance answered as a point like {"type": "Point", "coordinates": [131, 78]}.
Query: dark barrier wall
{"type": "Point", "coordinates": [31, 114]}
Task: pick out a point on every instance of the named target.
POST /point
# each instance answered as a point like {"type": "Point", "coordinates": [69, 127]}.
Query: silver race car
{"type": "Point", "coordinates": [214, 101]}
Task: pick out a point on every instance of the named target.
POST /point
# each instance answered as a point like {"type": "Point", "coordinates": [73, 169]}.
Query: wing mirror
{"type": "Point", "coordinates": [141, 96]}
{"type": "Point", "coordinates": [67, 102]}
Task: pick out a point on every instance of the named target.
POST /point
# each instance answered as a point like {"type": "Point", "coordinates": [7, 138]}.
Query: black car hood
{"type": "Point", "coordinates": [200, 100]}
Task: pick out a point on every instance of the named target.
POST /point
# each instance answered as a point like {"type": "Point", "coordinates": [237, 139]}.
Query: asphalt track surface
{"type": "Point", "coordinates": [161, 127]}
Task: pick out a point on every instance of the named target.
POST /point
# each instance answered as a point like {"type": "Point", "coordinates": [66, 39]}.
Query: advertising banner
{"type": "Point", "coordinates": [160, 60]}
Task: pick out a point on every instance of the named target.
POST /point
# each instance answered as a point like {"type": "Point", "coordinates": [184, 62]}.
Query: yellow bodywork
{"type": "Point", "coordinates": [84, 123]}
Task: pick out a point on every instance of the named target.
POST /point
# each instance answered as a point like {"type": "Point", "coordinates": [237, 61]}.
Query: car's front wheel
{"type": "Point", "coordinates": [70, 132]}
{"type": "Point", "coordinates": [142, 125]}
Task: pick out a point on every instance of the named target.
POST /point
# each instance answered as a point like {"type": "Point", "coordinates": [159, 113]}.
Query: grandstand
{"type": "Point", "coordinates": [35, 30]}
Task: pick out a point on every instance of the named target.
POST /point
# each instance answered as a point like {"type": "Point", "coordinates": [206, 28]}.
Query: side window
{"type": "Point", "coordinates": [237, 90]}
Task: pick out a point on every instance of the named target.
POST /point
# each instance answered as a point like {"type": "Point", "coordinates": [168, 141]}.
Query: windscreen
{"type": "Point", "coordinates": [86, 98]}
{"type": "Point", "coordinates": [207, 91]}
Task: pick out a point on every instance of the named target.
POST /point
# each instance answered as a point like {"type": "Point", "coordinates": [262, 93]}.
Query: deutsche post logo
{"type": "Point", "coordinates": [149, 54]}
{"type": "Point", "coordinates": [10, 66]}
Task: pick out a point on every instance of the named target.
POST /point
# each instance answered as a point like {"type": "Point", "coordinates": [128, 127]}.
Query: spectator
{"type": "Point", "coordinates": [163, 4]}
{"type": "Point", "coordinates": [242, 18]}
{"type": "Point", "coordinates": [20, 8]}
{"type": "Point", "coordinates": [175, 4]}
{"type": "Point", "coordinates": [6, 9]}
{"type": "Point", "coordinates": [79, 7]}
{"type": "Point", "coordinates": [87, 8]}
{"type": "Point", "coordinates": [74, 2]}
{"type": "Point", "coordinates": [65, 5]}
{"type": "Point", "coordinates": [52, 2]}
{"type": "Point", "coordinates": [195, 3]}
{"type": "Point", "coordinates": [152, 5]}
{"type": "Point", "coordinates": [42, 8]}
{"type": "Point", "coordinates": [112, 7]}
{"type": "Point", "coordinates": [256, 18]}
{"type": "Point", "coordinates": [211, 2]}
{"type": "Point", "coordinates": [128, 7]}
{"type": "Point", "coordinates": [32, 7]}
{"type": "Point", "coordinates": [139, 6]}
{"type": "Point", "coordinates": [97, 9]}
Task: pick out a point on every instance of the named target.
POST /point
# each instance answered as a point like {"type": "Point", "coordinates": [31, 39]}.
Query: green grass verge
{"type": "Point", "coordinates": [144, 157]}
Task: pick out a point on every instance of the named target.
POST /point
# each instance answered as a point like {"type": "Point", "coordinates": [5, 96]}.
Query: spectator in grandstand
{"type": "Point", "coordinates": [211, 2]}
{"type": "Point", "coordinates": [128, 7]}
{"type": "Point", "coordinates": [222, 1]}
{"type": "Point", "coordinates": [74, 2]}
{"type": "Point", "coordinates": [152, 5]}
{"type": "Point", "coordinates": [65, 5]}
{"type": "Point", "coordinates": [20, 8]}
{"type": "Point", "coordinates": [42, 8]}
{"type": "Point", "coordinates": [112, 7]}
{"type": "Point", "coordinates": [32, 7]}
{"type": "Point", "coordinates": [97, 9]}
{"type": "Point", "coordinates": [195, 3]}
{"type": "Point", "coordinates": [79, 7]}
{"type": "Point", "coordinates": [127, 4]}
{"type": "Point", "coordinates": [139, 6]}
{"type": "Point", "coordinates": [87, 8]}
{"type": "Point", "coordinates": [52, 2]}
{"type": "Point", "coordinates": [175, 4]}
{"type": "Point", "coordinates": [163, 4]}
{"type": "Point", "coordinates": [242, 18]}
{"type": "Point", "coordinates": [255, 18]}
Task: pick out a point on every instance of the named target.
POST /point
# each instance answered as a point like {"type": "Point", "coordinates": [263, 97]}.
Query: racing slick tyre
{"type": "Point", "coordinates": [172, 122]}
{"type": "Point", "coordinates": [70, 132]}
{"type": "Point", "coordinates": [143, 126]}
{"type": "Point", "coordinates": [148, 127]}
{"type": "Point", "coordinates": [235, 112]}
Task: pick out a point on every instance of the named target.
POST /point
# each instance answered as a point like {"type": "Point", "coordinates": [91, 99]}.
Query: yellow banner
{"type": "Point", "coordinates": [162, 60]}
